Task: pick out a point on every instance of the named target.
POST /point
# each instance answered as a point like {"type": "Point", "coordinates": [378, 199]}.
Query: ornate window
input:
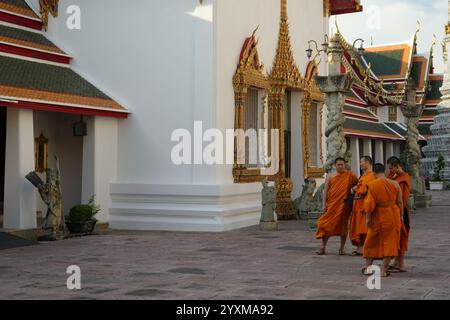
{"type": "Point", "coordinates": [250, 88]}
{"type": "Point", "coordinates": [312, 128]}
{"type": "Point", "coordinates": [40, 145]}
{"type": "Point", "coordinates": [393, 113]}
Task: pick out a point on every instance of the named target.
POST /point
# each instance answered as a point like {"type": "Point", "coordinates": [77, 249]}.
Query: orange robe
{"type": "Point", "coordinates": [334, 221]}
{"type": "Point", "coordinates": [405, 185]}
{"type": "Point", "coordinates": [358, 228]}
{"type": "Point", "coordinates": [384, 233]}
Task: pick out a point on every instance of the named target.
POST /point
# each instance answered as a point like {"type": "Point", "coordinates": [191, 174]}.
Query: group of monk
{"type": "Point", "coordinates": [371, 210]}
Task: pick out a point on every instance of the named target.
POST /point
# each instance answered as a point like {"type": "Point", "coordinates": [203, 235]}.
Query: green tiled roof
{"type": "Point", "coordinates": [17, 3]}
{"type": "Point", "coordinates": [361, 111]}
{"type": "Point", "coordinates": [351, 94]}
{"type": "Point", "coordinates": [374, 127]}
{"type": "Point", "coordinates": [390, 86]}
{"type": "Point", "coordinates": [425, 129]}
{"type": "Point", "coordinates": [430, 112]}
{"type": "Point", "coordinates": [435, 93]}
{"type": "Point", "coordinates": [416, 71]}
{"type": "Point", "coordinates": [39, 76]}
{"type": "Point", "coordinates": [24, 35]}
{"type": "Point", "coordinates": [385, 63]}
{"type": "Point", "coordinates": [400, 130]}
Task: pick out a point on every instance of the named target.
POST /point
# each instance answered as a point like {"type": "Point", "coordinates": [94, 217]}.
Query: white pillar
{"type": "Point", "coordinates": [379, 156]}
{"type": "Point", "coordinates": [367, 148]}
{"type": "Point", "coordinates": [396, 149]}
{"type": "Point", "coordinates": [389, 149]}
{"type": "Point", "coordinates": [100, 162]}
{"type": "Point", "coordinates": [354, 147]}
{"type": "Point", "coordinates": [20, 197]}
{"type": "Point", "coordinates": [297, 168]}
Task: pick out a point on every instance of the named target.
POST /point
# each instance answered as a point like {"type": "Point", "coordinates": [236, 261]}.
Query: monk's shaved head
{"type": "Point", "coordinates": [367, 159]}
{"type": "Point", "coordinates": [339, 159]}
{"type": "Point", "coordinates": [379, 168]}
{"type": "Point", "coordinates": [394, 161]}
{"type": "Point", "coordinates": [366, 163]}
{"type": "Point", "coordinates": [395, 166]}
{"type": "Point", "coordinates": [340, 165]}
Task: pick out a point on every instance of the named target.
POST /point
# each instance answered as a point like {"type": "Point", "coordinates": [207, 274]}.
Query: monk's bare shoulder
{"type": "Point", "coordinates": [332, 175]}
{"type": "Point", "coordinates": [395, 183]}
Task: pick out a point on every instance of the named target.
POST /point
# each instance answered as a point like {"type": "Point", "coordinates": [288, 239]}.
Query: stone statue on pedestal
{"type": "Point", "coordinates": [268, 221]}
{"type": "Point", "coordinates": [412, 113]}
{"type": "Point", "coordinates": [50, 192]}
{"type": "Point", "coordinates": [305, 203]}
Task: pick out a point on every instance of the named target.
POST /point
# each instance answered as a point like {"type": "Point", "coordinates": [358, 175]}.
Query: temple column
{"type": "Point", "coordinates": [367, 147]}
{"type": "Point", "coordinates": [20, 195]}
{"type": "Point", "coordinates": [354, 147]}
{"type": "Point", "coordinates": [336, 86]}
{"type": "Point", "coordinates": [100, 162]}
{"type": "Point", "coordinates": [389, 149]}
{"type": "Point", "coordinates": [379, 153]}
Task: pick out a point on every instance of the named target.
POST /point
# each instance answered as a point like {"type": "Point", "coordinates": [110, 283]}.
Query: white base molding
{"type": "Point", "coordinates": [204, 208]}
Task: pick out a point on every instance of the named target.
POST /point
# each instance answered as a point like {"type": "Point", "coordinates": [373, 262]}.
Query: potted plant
{"type": "Point", "coordinates": [81, 217]}
{"type": "Point", "coordinates": [436, 183]}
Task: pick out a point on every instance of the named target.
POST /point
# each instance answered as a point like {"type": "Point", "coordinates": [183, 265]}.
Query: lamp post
{"type": "Point", "coordinates": [335, 86]}
{"type": "Point", "coordinates": [361, 49]}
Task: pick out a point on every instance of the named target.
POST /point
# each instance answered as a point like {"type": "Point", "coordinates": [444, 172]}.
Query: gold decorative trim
{"type": "Point", "coordinates": [312, 95]}
{"type": "Point", "coordinates": [326, 8]}
{"type": "Point", "coordinates": [40, 154]}
{"type": "Point", "coordinates": [46, 7]}
{"type": "Point", "coordinates": [249, 74]}
{"type": "Point", "coordinates": [285, 75]}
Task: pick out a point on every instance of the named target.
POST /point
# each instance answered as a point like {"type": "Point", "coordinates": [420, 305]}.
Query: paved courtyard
{"type": "Point", "coordinates": [243, 264]}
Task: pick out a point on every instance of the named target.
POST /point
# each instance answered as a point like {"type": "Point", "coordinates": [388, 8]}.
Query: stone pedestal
{"type": "Point", "coordinates": [312, 220]}
{"type": "Point", "coordinates": [284, 209]}
{"type": "Point", "coordinates": [411, 205]}
{"type": "Point", "coordinates": [268, 226]}
{"type": "Point", "coordinates": [422, 201]}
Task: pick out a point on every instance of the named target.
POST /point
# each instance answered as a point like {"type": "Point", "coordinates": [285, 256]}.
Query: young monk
{"type": "Point", "coordinates": [358, 228]}
{"type": "Point", "coordinates": [334, 221]}
{"type": "Point", "coordinates": [396, 172]}
{"type": "Point", "coordinates": [384, 209]}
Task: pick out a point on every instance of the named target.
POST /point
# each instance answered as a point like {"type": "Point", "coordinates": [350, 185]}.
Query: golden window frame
{"type": "Point", "coordinates": [249, 74]}
{"type": "Point", "coordinates": [312, 95]}
{"type": "Point", "coordinates": [41, 154]}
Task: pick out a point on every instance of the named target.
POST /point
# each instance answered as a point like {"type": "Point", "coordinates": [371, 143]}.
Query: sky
{"type": "Point", "coordinates": [393, 21]}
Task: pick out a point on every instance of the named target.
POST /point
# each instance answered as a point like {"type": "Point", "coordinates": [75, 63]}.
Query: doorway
{"type": "Point", "coordinates": [287, 135]}
{"type": "Point", "coordinates": [2, 160]}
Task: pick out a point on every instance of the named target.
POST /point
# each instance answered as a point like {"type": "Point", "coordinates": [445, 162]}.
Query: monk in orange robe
{"type": "Point", "coordinates": [396, 172]}
{"type": "Point", "coordinates": [334, 221]}
{"type": "Point", "coordinates": [358, 228]}
{"type": "Point", "coordinates": [384, 209]}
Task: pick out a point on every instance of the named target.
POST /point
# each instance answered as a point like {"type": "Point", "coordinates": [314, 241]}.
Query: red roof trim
{"type": "Point", "coordinates": [64, 109]}
{"type": "Point", "coordinates": [344, 6]}
{"type": "Point", "coordinates": [357, 136]}
{"type": "Point", "coordinates": [32, 53]}
{"type": "Point", "coordinates": [22, 21]}
{"type": "Point", "coordinates": [351, 115]}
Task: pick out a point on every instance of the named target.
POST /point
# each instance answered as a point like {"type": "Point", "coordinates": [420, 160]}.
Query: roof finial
{"type": "Point", "coordinates": [284, 10]}
{"type": "Point", "coordinates": [337, 26]}
{"type": "Point", "coordinates": [415, 37]}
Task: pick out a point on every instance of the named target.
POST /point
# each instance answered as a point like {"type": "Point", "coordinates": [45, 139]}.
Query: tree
{"type": "Point", "coordinates": [440, 165]}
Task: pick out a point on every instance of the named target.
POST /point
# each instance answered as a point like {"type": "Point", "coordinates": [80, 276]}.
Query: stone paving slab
{"type": "Point", "coordinates": [242, 264]}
